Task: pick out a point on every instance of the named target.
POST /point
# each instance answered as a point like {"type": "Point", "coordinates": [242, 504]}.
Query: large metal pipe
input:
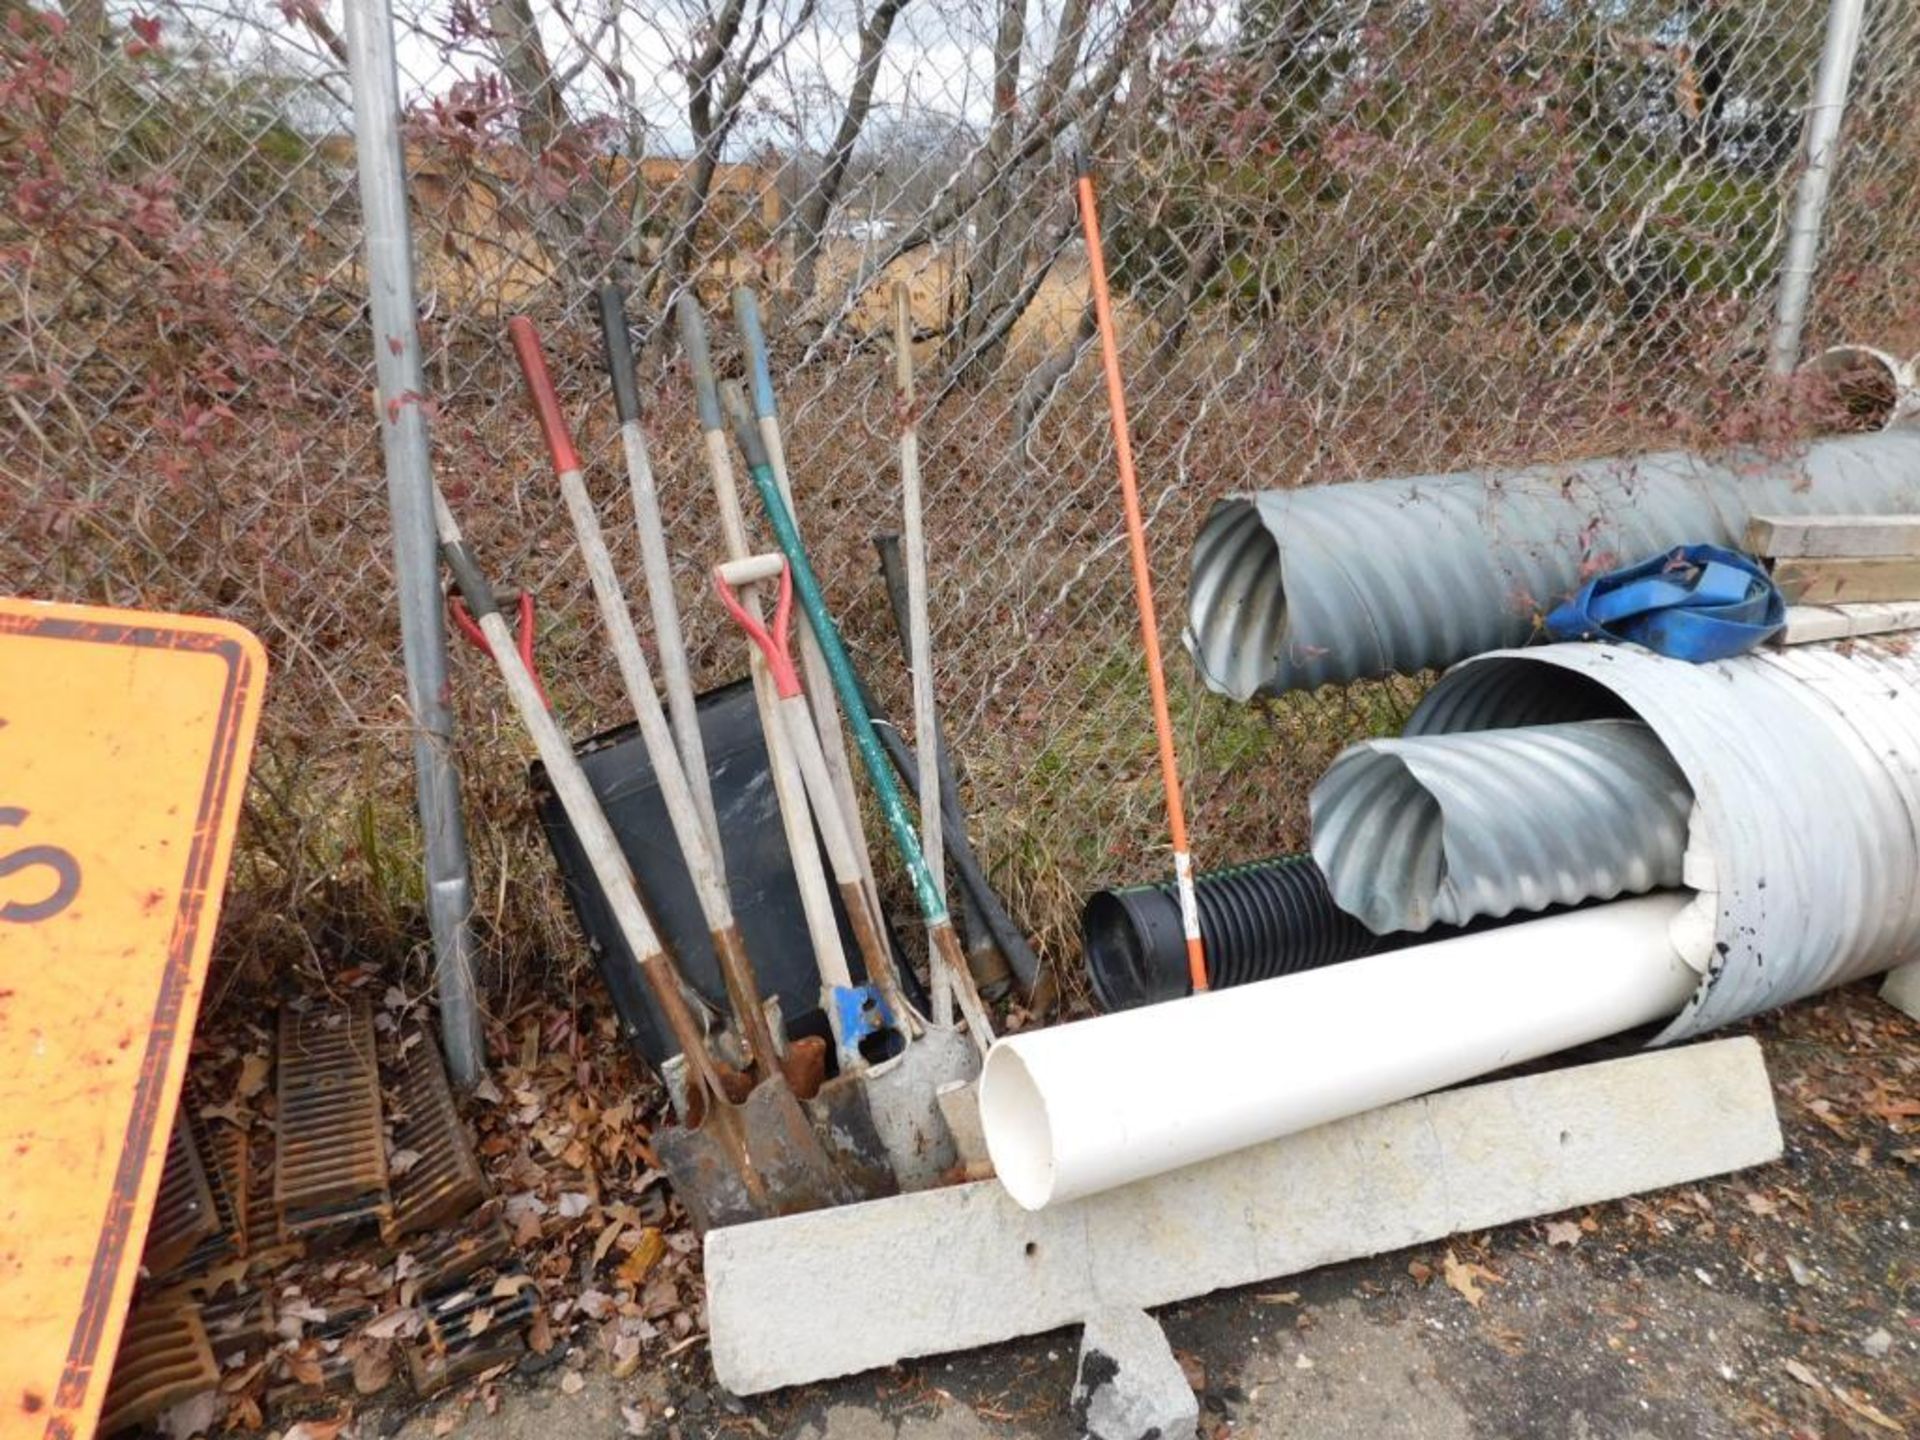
{"type": "Point", "coordinates": [1298, 588]}
{"type": "Point", "coordinates": [1448, 828]}
{"type": "Point", "coordinates": [1805, 769]}
{"type": "Point", "coordinates": [1085, 1107]}
{"type": "Point", "coordinates": [401, 399]}
{"type": "Point", "coordinates": [1845, 20]}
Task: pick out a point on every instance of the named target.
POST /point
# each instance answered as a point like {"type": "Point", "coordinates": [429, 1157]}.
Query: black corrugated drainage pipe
{"type": "Point", "coordinates": [1259, 920]}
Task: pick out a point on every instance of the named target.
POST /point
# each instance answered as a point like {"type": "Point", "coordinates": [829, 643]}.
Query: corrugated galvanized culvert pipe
{"type": "Point", "coordinates": [1323, 584]}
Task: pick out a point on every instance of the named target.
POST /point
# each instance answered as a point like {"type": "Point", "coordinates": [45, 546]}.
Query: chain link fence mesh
{"type": "Point", "coordinates": [1349, 238]}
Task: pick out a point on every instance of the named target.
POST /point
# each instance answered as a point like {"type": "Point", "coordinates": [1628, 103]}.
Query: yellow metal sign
{"type": "Point", "coordinates": [124, 742]}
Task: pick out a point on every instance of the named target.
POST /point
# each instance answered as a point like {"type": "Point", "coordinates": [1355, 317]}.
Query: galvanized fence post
{"type": "Point", "coordinates": [1845, 20]}
{"type": "Point", "coordinates": [401, 398]}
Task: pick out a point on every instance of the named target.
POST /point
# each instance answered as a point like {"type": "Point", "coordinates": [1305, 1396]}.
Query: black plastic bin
{"type": "Point", "coordinates": [766, 899]}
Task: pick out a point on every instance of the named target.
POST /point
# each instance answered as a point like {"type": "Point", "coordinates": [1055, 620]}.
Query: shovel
{"type": "Point", "coordinates": [904, 1081]}
{"type": "Point", "coordinates": [728, 1163]}
{"type": "Point", "coordinates": [862, 1025]}
{"type": "Point", "coordinates": [813, 664]}
{"type": "Point", "coordinates": [943, 944]}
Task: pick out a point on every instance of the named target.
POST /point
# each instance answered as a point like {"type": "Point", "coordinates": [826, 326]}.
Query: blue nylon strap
{"type": "Point", "coordinates": [1696, 603]}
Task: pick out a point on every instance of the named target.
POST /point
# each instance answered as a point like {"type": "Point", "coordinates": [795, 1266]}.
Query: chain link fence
{"type": "Point", "coordinates": [1348, 238]}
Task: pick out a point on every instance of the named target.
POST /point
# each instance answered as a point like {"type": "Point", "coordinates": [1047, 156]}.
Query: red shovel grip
{"type": "Point", "coordinates": [774, 644]}
{"type": "Point", "coordinates": [546, 403]}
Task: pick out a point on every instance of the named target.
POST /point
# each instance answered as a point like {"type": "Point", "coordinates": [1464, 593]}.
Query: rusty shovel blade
{"type": "Point", "coordinates": [767, 1156]}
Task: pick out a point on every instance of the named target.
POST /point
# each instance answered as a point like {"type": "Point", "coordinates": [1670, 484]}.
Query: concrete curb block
{"type": "Point", "coordinates": [951, 1269]}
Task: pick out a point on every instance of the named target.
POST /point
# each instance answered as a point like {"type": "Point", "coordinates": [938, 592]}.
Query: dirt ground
{"type": "Point", "coordinates": [1781, 1301]}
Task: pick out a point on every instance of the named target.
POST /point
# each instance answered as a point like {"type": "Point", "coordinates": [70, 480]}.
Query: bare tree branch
{"type": "Point", "coordinates": [1043, 129]}
{"type": "Point", "coordinates": [810, 216]}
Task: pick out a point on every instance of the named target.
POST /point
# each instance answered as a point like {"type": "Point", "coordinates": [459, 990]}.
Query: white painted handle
{"type": "Point", "coordinates": [657, 566]}
{"type": "Point", "coordinates": [682, 812]}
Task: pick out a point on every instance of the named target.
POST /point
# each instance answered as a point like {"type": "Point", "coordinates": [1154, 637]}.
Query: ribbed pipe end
{"type": "Point", "coordinates": [1257, 921]}
{"type": "Point", "coordinates": [1236, 601]}
{"type": "Point", "coordinates": [1452, 828]}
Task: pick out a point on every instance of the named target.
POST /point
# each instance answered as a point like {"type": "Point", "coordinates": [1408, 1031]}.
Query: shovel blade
{"type": "Point", "coordinates": [903, 1097]}
{"type": "Point", "coordinates": [843, 1114]}
{"type": "Point", "coordinates": [764, 1158]}
{"type": "Point", "coordinates": [710, 1179]}
{"type": "Point", "coordinates": [806, 1167]}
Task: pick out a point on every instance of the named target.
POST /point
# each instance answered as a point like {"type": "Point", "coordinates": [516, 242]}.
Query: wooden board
{"type": "Point", "coordinates": [952, 1268]}
{"type": "Point", "coordinates": [1847, 582]}
{"type": "Point", "coordinates": [124, 742]}
{"type": "Point", "coordinates": [1847, 537]}
{"type": "Point", "coordinates": [1812, 624]}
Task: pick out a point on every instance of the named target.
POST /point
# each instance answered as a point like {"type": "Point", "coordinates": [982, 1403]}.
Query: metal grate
{"type": "Point", "coordinates": [445, 1181]}
{"type": "Point", "coordinates": [330, 1167]}
{"type": "Point", "coordinates": [471, 1330]}
{"type": "Point", "coordinates": [184, 1213]}
{"type": "Point", "coordinates": [164, 1358]}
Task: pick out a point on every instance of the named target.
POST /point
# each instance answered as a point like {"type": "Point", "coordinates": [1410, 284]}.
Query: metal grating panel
{"type": "Point", "coordinates": [470, 1331]}
{"type": "Point", "coordinates": [330, 1167]}
{"type": "Point", "coordinates": [164, 1358]}
{"type": "Point", "coordinates": [445, 1182]}
{"type": "Point", "coordinates": [184, 1213]}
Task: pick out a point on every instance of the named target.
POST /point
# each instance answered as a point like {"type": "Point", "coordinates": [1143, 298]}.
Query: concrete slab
{"type": "Point", "coordinates": [1902, 990]}
{"type": "Point", "coordinates": [950, 1269]}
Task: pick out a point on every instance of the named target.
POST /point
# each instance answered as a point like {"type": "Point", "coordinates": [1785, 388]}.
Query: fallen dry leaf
{"type": "Point", "coordinates": [373, 1369]}
{"type": "Point", "coordinates": [1869, 1412]}
{"type": "Point", "coordinates": [540, 1332]}
{"type": "Point", "coordinates": [608, 1234]}
{"type": "Point", "coordinates": [318, 1429]}
{"type": "Point", "coordinates": [572, 1383]}
{"type": "Point", "coordinates": [254, 1071]}
{"type": "Point", "coordinates": [643, 1257]}
{"type": "Point", "coordinates": [192, 1416]}
{"type": "Point", "coordinates": [1802, 1374]}
{"type": "Point", "coordinates": [1759, 1204]}
{"type": "Point", "coordinates": [1421, 1272]}
{"type": "Point", "coordinates": [305, 1368]}
{"type": "Point", "coordinates": [1464, 1277]}
{"type": "Point", "coordinates": [1563, 1232]}
{"type": "Point", "coordinates": [394, 1325]}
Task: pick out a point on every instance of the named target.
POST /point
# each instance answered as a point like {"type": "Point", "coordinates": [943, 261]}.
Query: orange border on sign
{"type": "Point", "coordinates": [78, 1396]}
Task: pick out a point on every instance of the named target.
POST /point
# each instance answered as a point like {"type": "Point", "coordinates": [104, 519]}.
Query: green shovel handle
{"type": "Point", "coordinates": [839, 665]}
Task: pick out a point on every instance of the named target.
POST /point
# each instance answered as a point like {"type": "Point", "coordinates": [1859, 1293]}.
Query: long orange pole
{"type": "Point", "coordinates": [1142, 577]}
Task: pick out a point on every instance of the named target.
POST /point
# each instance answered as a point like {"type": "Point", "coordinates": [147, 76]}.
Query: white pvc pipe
{"type": "Point", "coordinates": [1088, 1106]}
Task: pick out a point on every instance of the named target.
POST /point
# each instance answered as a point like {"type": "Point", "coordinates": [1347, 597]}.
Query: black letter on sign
{"type": "Point", "coordinates": [66, 871]}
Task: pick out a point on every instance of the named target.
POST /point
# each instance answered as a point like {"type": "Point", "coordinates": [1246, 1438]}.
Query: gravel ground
{"type": "Point", "coordinates": [1780, 1301]}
